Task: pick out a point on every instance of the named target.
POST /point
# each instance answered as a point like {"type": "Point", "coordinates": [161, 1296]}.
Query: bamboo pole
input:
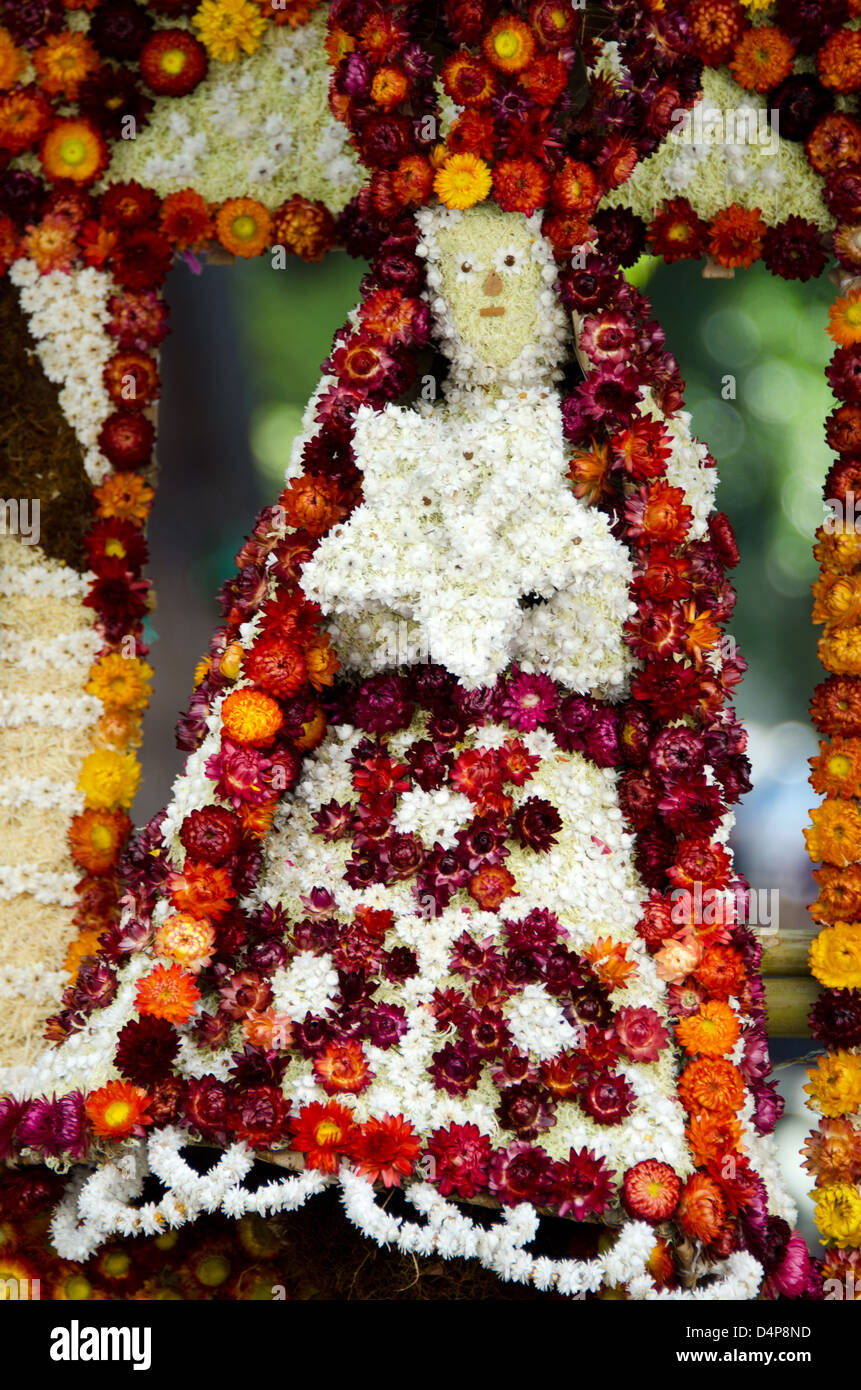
{"type": "Point", "coordinates": [787, 1001]}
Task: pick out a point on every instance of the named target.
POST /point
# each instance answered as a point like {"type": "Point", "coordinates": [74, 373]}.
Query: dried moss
{"type": "Point", "coordinates": [40, 456]}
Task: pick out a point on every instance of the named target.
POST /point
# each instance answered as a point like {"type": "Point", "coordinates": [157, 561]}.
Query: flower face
{"type": "Point", "coordinates": [491, 280]}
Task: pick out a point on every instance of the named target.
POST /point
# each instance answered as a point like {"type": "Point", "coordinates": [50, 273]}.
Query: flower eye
{"type": "Point", "coordinates": [466, 267]}
{"type": "Point", "coordinates": [510, 260]}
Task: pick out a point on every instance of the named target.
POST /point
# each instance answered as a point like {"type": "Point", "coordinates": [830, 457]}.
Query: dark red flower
{"type": "Point", "coordinates": [582, 1185]}
{"type": "Point", "coordinates": [127, 439]}
{"type": "Point", "coordinates": [460, 1159]}
{"type": "Point", "coordinates": [609, 1099]}
{"type": "Point", "coordinates": [146, 1050]}
{"type": "Point", "coordinates": [211, 834]}
{"type": "Point", "coordinates": [536, 823]}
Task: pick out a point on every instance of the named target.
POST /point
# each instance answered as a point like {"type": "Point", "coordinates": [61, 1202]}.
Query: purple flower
{"type": "Point", "coordinates": [527, 1109]}
{"type": "Point", "coordinates": [768, 1107]}
{"type": "Point", "coordinates": [382, 705]}
{"type": "Point", "coordinates": [387, 1024]}
{"type": "Point", "coordinates": [56, 1126]}
{"type": "Point", "coordinates": [529, 701]}
{"type": "Point", "coordinates": [11, 1114]}
{"type": "Point", "coordinates": [455, 1068]}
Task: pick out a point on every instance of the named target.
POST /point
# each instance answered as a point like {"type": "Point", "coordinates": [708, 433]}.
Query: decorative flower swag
{"type": "Point", "coordinates": [507, 76]}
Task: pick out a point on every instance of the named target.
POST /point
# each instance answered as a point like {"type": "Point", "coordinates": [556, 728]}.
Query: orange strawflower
{"type": "Point", "coordinates": [702, 632]}
{"type": "Point", "coordinates": [838, 551]}
{"type": "Point", "coordinates": [11, 61]}
{"type": "Point", "coordinates": [835, 835]}
{"type": "Point", "coordinates": [312, 503]}
{"type": "Point", "coordinates": [243, 226]}
{"type": "Point", "coordinates": [305, 227]}
{"type": "Point", "coordinates": [837, 598]}
{"type": "Point", "coordinates": [119, 729]}
{"type": "Point", "coordinates": [660, 1263]}
{"type": "Point", "coordinates": [389, 87]}
{"type": "Point", "coordinates": [836, 772]}
{"type": "Point", "coordinates": [833, 1152]}
{"type": "Point", "coordinates": [839, 893]}
{"type": "Point", "coordinates": [321, 663]}
{"type": "Point", "coordinates": [313, 732]}
{"type": "Point", "coordinates": [610, 960]}
{"type": "Point", "coordinates": [835, 140]}
{"type": "Point", "coordinates": [762, 58]}
{"type": "Point", "coordinates": [701, 1210]}
{"type": "Point", "coordinates": [51, 243]}
{"type": "Point", "coordinates": [257, 820]}
{"type": "Point", "coordinates": [462, 181]}
{"type": "Point", "coordinates": [835, 1084]}
{"type": "Point", "coordinates": [86, 943]}
{"type": "Point", "coordinates": [735, 236]}
{"type": "Point", "coordinates": [249, 716]}
{"type": "Point", "coordinates": [711, 1135]}
{"type": "Point", "coordinates": [840, 651]}
{"type": "Point", "coordinates": [124, 496]}
{"type": "Point", "coordinates": [412, 181]}
{"type": "Point", "coordinates": [509, 44]}
{"type": "Point", "coordinates": [711, 1083]}
{"type": "Point", "coordinates": [268, 1030]}
{"type": "Point", "coordinates": [839, 61]}
{"type": "Point", "coordinates": [835, 956]}
{"type": "Point", "coordinates": [575, 188]}
{"type": "Point", "coordinates": [186, 220]}
{"type": "Point", "coordinates": [341, 1067]}
{"type": "Point", "coordinates": [96, 839]}
{"type": "Point", "coordinates": [167, 992]}
{"type": "Point", "coordinates": [118, 1109]}
{"type": "Point", "coordinates": [202, 890]}
{"type": "Point", "coordinates": [65, 61]}
{"type": "Point", "coordinates": [74, 150]}
{"type": "Point", "coordinates": [323, 1133]}
{"type": "Point", "coordinates": [589, 472]}
{"type": "Point", "coordinates": [121, 682]}
{"type": "Point", "coordinates": [712, 1032]}
{"type": "Point", "coordinates": [844, 319]}
{"type": "Point", "coordinates": [25, 115]}
{"type": "Point", "coordinates": [292, 12]}
{"type": "Point", "coordinates": [721, 972]}
{"type": "Point", "coordinates": [187, 940]}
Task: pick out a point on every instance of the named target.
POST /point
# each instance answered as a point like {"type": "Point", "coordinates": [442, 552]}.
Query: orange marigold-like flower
{"type": "Point", "coordinates": [610, 960]}
{"type": "Point", "coordinates": [304, 227]}
{"type": "Point", "coordinates": [834, 140]}
{"type": "Point", "coordinates": [118, 1110]}
{"type": "Point", "coordinates": [575, 188]}
{"type": "Point", "coordinates": [74, 149]}
{"type": "Point", "coordinates": [277, 665]}
{"type": "Point", "coordinates": [520, 185]}
{"type": "Point", "coordinates": [839, 61]}
{"type": "Point", "coordinates": [51, 243]}
{"type": "Point", "coordinates": [96, 839]}
{"type": "Point", "coordinates": [268, 1030]}
{"type": "Point", "coordinates": [389, 87]}
{"type": "Point", "coordinates": [312, 503]}
{"type": "Point", "coordinates": [835, 1084]}
{"type": "Point", "coordinates": [840, 651]}
{"type": "Point", "coordinates": [702, 632]}
{"type": "Point", "coordinates": [257, 820]}
{"type": "Point", "coordinates": [711, 1135]}
{"type": "Point", "coordinates": [243, 226]}
{"type": "Point", "coordinates": [712, 1032]}
{"type": "Point", "coordinates": [838, 551]}
{"type": "Point", "coordinates": [121, 682]}
{"type": "Point", "coordinates": [711, 1083]}
{"type": "Point", "coordinates": [292, 12]}
{"type": "Point", "coordinates": [119, 730]}
{"type": "Point", "coordinates": [762, 58]}
{"type": "Point", "coordinates": [839, 893]}
{"type": "Point", "coordinates": [386, 1150]}
{"type": "Point", "coordinates": [844, 319]}
{"type": "Point", "coordinates": [168, 992]}
{"type": "Point", "coordinates": [64, 62]}
{"type": "Point", "coordinates": [412, 180]}
{"type": "Point", "coordinates": [186, 220]}
{"type": "Point", "coordinates": [736, 235]}
{"type": "Point", "coordinates": [722, 972]}
{"type": "Point", "coordinates": [491, 885]}
{"type": "Point", "coordinates": [86, 943]}
{"type": "Point", "coordinates": [25, 115]}
{"type": "Point", "coordinates": [186, 939]}
{"type": "Point", "coordinates": [701, 1210]}
{"type": "Point", "coordinates": [203, 890]}
{"type": "Point", "coordinates": [835, 835]}
{"type": "Point", "coordinates": [835, 956]}
{"type": "Point", "coordinates": [11, 61]}
{"type": "Point", "coordinates": [323, 1133]}
{"type": "Point", "coordinates": [833, 1152]}
{"type": "Point", "coordinates": [836, 771]}
{"type": "Point", "coordinates": [589, 471]}
{"type": "Point", "coordinates": [837, 598]}
{"type": "Point", "coordinates": [509, 44]}
{"type": "Point", "coordinates": [342, 1067]}
{"type": "Point", "coordinates": [462, 180]}
{"type": "Point", "coordinates": [249, 716]}
{"type": "Point", "coordinates": [313, 732]}
{"type": "Point", "coordinates": [321, 662]}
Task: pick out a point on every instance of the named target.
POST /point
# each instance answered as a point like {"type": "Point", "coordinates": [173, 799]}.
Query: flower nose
{"type": "Point", "coordinates": [493, 284]}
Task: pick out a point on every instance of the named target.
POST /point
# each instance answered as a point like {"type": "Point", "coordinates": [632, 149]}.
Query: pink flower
{"type": "Point", "coordinates": [641, 1033]}
{"type": "Point", "coordinates": [460, 1157]}
{"type": "Point", "coordinates": [529, 701]}
{"type": "Point", "coordinates": [677, 957]}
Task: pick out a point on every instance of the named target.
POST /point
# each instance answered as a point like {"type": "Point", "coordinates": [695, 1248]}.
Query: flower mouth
{"type": "Point", "coordinates": [492, 311]}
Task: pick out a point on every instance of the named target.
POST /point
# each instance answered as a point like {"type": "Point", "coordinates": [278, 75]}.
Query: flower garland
{"type": "Point", "coordinates": [833, 841]}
